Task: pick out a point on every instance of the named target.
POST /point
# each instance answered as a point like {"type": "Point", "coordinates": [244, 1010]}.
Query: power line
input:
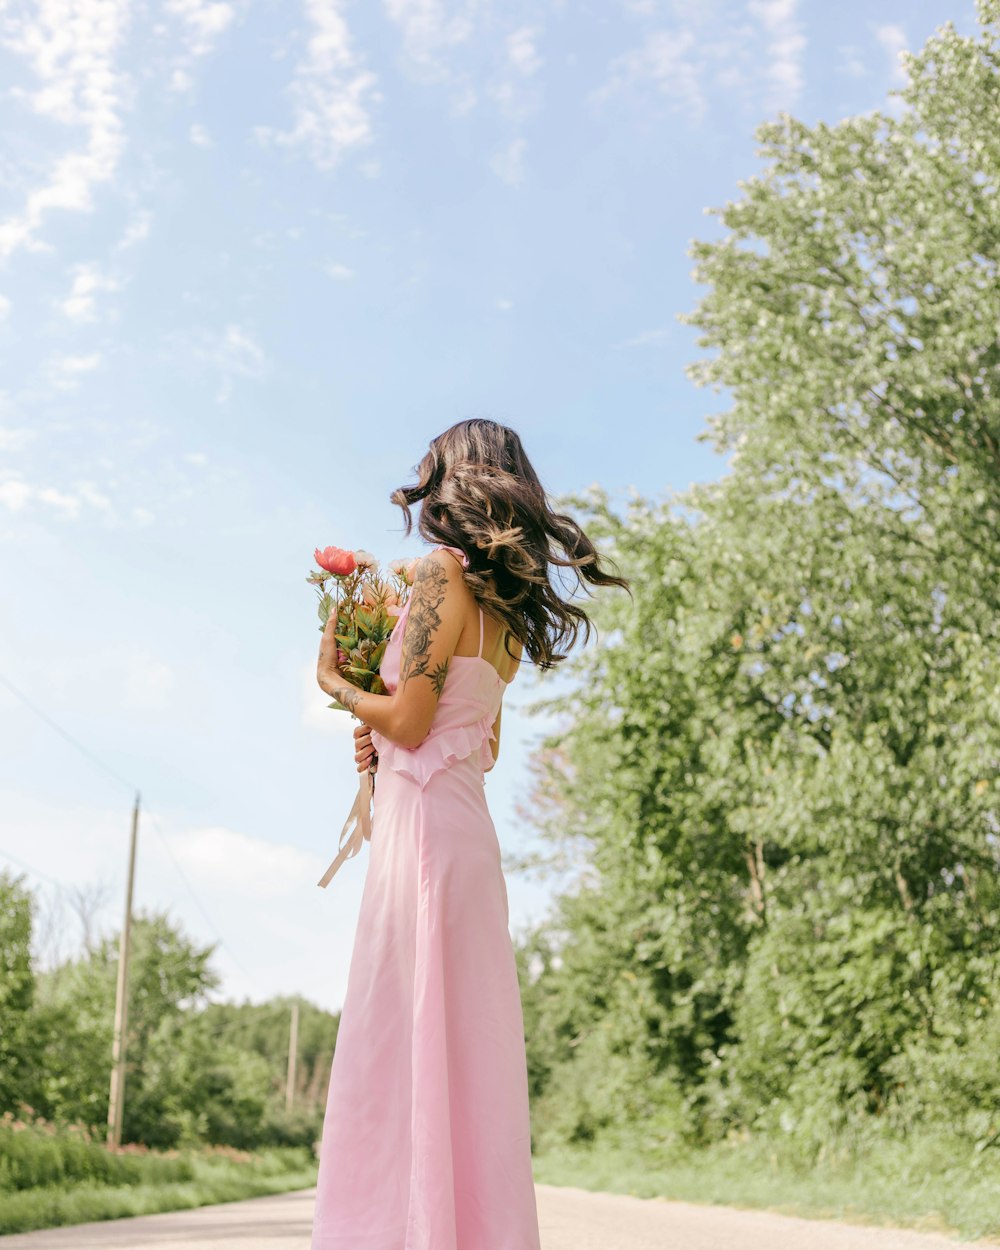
{"type": "Point", "coordinates": [96, 760]}
{"type": "Point", "coordinates": [67, 735]}
{"type": "Point", "coordinates": [31, 868]}
{"type": "Point", "coordinates": [166, 846]}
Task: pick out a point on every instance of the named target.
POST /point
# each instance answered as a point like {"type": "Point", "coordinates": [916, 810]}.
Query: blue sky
{"type": "Point", "coordinates": [253, 256]}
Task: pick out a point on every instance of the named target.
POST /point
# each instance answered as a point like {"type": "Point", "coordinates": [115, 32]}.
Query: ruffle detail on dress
{"type": "Point", "coordinates": [438, 750]}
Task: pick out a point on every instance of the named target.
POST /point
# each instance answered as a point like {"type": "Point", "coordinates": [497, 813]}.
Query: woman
{"type": "Point", "coordinates": [426, 1139]}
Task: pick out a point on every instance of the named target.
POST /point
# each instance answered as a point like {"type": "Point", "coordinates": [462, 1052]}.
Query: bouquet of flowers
{"type": "Point", "coordinates": [367, 605]}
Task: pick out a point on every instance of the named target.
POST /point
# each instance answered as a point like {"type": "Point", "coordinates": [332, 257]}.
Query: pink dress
{"type": "Point", "coordinates": [426, 1138]}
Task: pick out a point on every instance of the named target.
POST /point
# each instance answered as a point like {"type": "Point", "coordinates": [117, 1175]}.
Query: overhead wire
{"type": "Point", "coordinates": [146, 810]}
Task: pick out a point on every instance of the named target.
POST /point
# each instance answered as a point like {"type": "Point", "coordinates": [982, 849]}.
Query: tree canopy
{"type": "Point", "coordinates": [780, 762]}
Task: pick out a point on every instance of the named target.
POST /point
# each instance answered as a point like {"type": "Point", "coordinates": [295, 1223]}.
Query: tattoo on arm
{"type": "Point", "coordinates": [347, 696]}
{"type": "Point", "coordinates": [428, 594]}
{"type": "Point", "coordinates": [438, 676]}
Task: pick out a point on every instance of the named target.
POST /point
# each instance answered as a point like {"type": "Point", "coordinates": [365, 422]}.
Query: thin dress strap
{"type": "Point", "coordinates": [480, 651]}
{"type": "Point", "coordinates": [455, 551]}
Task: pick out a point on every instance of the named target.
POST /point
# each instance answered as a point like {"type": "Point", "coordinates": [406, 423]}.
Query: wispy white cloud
{"type": "Point", "coordinates": [88, 280]}
{"type": "Point", "coordinates": [16, 493]}
{"type": "Point", "coordinates": [669, 62]}
{"type": "Point", "coordinates": [217, 858]}
{"type": "Point", "coordinates": [332, 92]}
{"type": "Point", "coordinates": [203, 21]}
{"type": "Point", "coordinates": [201, 24]}
{"type": "Point", "coordinates": [522, 50]}
{"type": "Point", "coordinates": [340, 273]}
{"type": "Point", "coordinates": [753, 47]}
{"type": "Point", "coordinates": [786, 46]}
{"type": "Point", "coordinates": [137, 230]}
{"type": "Point", "coordinates": [516, 88]}
{"type": "Point", "coordinates": [181, 80]}
{"type": "Point", "coordinates": [71, 47]}
{"type": "Point", "coordinates": [199, 136]}
{"type": "Point", "coordinates": [237, 351]}
{"type": "Point", "coordinates": [65, 371]}
{"type": "Point", "coordinates": [508, 162]}
{"type": "Point", "coordinates": [232, 353]}
{"type": "Point", "coordinates": [647, 337]}
{"type": "Point", "coordinates": [851, 62]}
{"type": "Point", "coordinates": [431, 31]}
{"type": "Point", "coordinates": [464, 99]}
{"type": "Point", "coordinates": [893, 41]}
{"type": "Point", "coordinates": [14, 438]}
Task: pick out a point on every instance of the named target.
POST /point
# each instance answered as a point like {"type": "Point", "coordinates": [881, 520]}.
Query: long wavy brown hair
{"type": "Point", "coordinates": [479, 492]}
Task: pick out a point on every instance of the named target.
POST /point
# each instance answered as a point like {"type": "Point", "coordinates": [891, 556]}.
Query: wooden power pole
{"type": "Point", "coordinates": [293, 1046]}
{"type": "Point", "coordinates": [116, 1103]}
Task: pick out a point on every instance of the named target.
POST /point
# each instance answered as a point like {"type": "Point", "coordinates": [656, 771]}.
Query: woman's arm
{"type": "Point", "coordinates": [435, 618]}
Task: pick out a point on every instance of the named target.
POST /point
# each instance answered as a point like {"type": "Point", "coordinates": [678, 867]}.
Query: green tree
{"type": "Point", "coordinates": [781, 760]}
{"type": "Point", "coordinates": [17, 990]}
{"type": "Point", "coordinates": [74, 1019]}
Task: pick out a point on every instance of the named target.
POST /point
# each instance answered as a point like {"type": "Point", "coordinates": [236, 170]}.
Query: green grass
{"type": "Point", "coordinates": [206, 1176]}
{"type": "Point", "coordinates": [932, 1184]}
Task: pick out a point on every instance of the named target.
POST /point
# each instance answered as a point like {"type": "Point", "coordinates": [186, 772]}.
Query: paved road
{"type": "Point", "coordinates": [570, 1219]}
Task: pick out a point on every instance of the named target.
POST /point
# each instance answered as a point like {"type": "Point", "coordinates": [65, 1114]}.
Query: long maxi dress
{"type": "Point", "coordinates": [426, 1139]}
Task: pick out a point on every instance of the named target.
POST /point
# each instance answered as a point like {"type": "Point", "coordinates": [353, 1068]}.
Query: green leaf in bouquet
{"type": "Point", "coordinates": [371, 620]}
{"type": "Point", "coordinates": [364, 621]}
{"type": "Point", "coordinates": [375, 659]}
{"type": "Point", "coordinates": [348, 641]}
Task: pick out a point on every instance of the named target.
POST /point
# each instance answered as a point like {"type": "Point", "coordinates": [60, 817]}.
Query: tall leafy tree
{"type": "Point", "coordinates": [781, 760]}
{"type": "Point", "coordinates": [17, 990]}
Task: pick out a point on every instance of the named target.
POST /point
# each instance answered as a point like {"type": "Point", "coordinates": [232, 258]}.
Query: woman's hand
{"type": "Point", "coordinates": [364, 753]}
{"type": "Point", "coordinates": [329, 677]}
{"type": "Point", "coordinates": [327, 669]}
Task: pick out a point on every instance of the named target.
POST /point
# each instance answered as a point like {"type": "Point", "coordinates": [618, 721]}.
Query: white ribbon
{"type": "Point", "coordinates": [361, 817]}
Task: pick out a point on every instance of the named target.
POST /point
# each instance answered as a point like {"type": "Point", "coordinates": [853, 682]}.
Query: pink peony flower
{"type": "Point", "coordinates": [336, 560]}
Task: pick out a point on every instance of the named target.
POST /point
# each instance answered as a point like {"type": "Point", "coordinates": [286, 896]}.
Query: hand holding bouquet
{"type": "Point", "coordinates": [358, 609]}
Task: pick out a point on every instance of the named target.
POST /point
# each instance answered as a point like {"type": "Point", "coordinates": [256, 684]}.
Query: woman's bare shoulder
{"type": "Point", "coordinates": [438, 581]}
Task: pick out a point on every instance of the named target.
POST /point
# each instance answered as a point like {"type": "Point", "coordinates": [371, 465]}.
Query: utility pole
{"type": "Point", "coordinates": [116, 1103]}
{"type": "Point", "coordinates": [293, 1046]}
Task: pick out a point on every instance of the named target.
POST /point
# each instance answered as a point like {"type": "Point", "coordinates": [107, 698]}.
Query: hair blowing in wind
{"type": "Point", "coordinates": [479, 492]}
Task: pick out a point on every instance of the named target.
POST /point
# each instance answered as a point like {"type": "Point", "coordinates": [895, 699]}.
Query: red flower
{"type": "Point", "coordinates": [336, 560]}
